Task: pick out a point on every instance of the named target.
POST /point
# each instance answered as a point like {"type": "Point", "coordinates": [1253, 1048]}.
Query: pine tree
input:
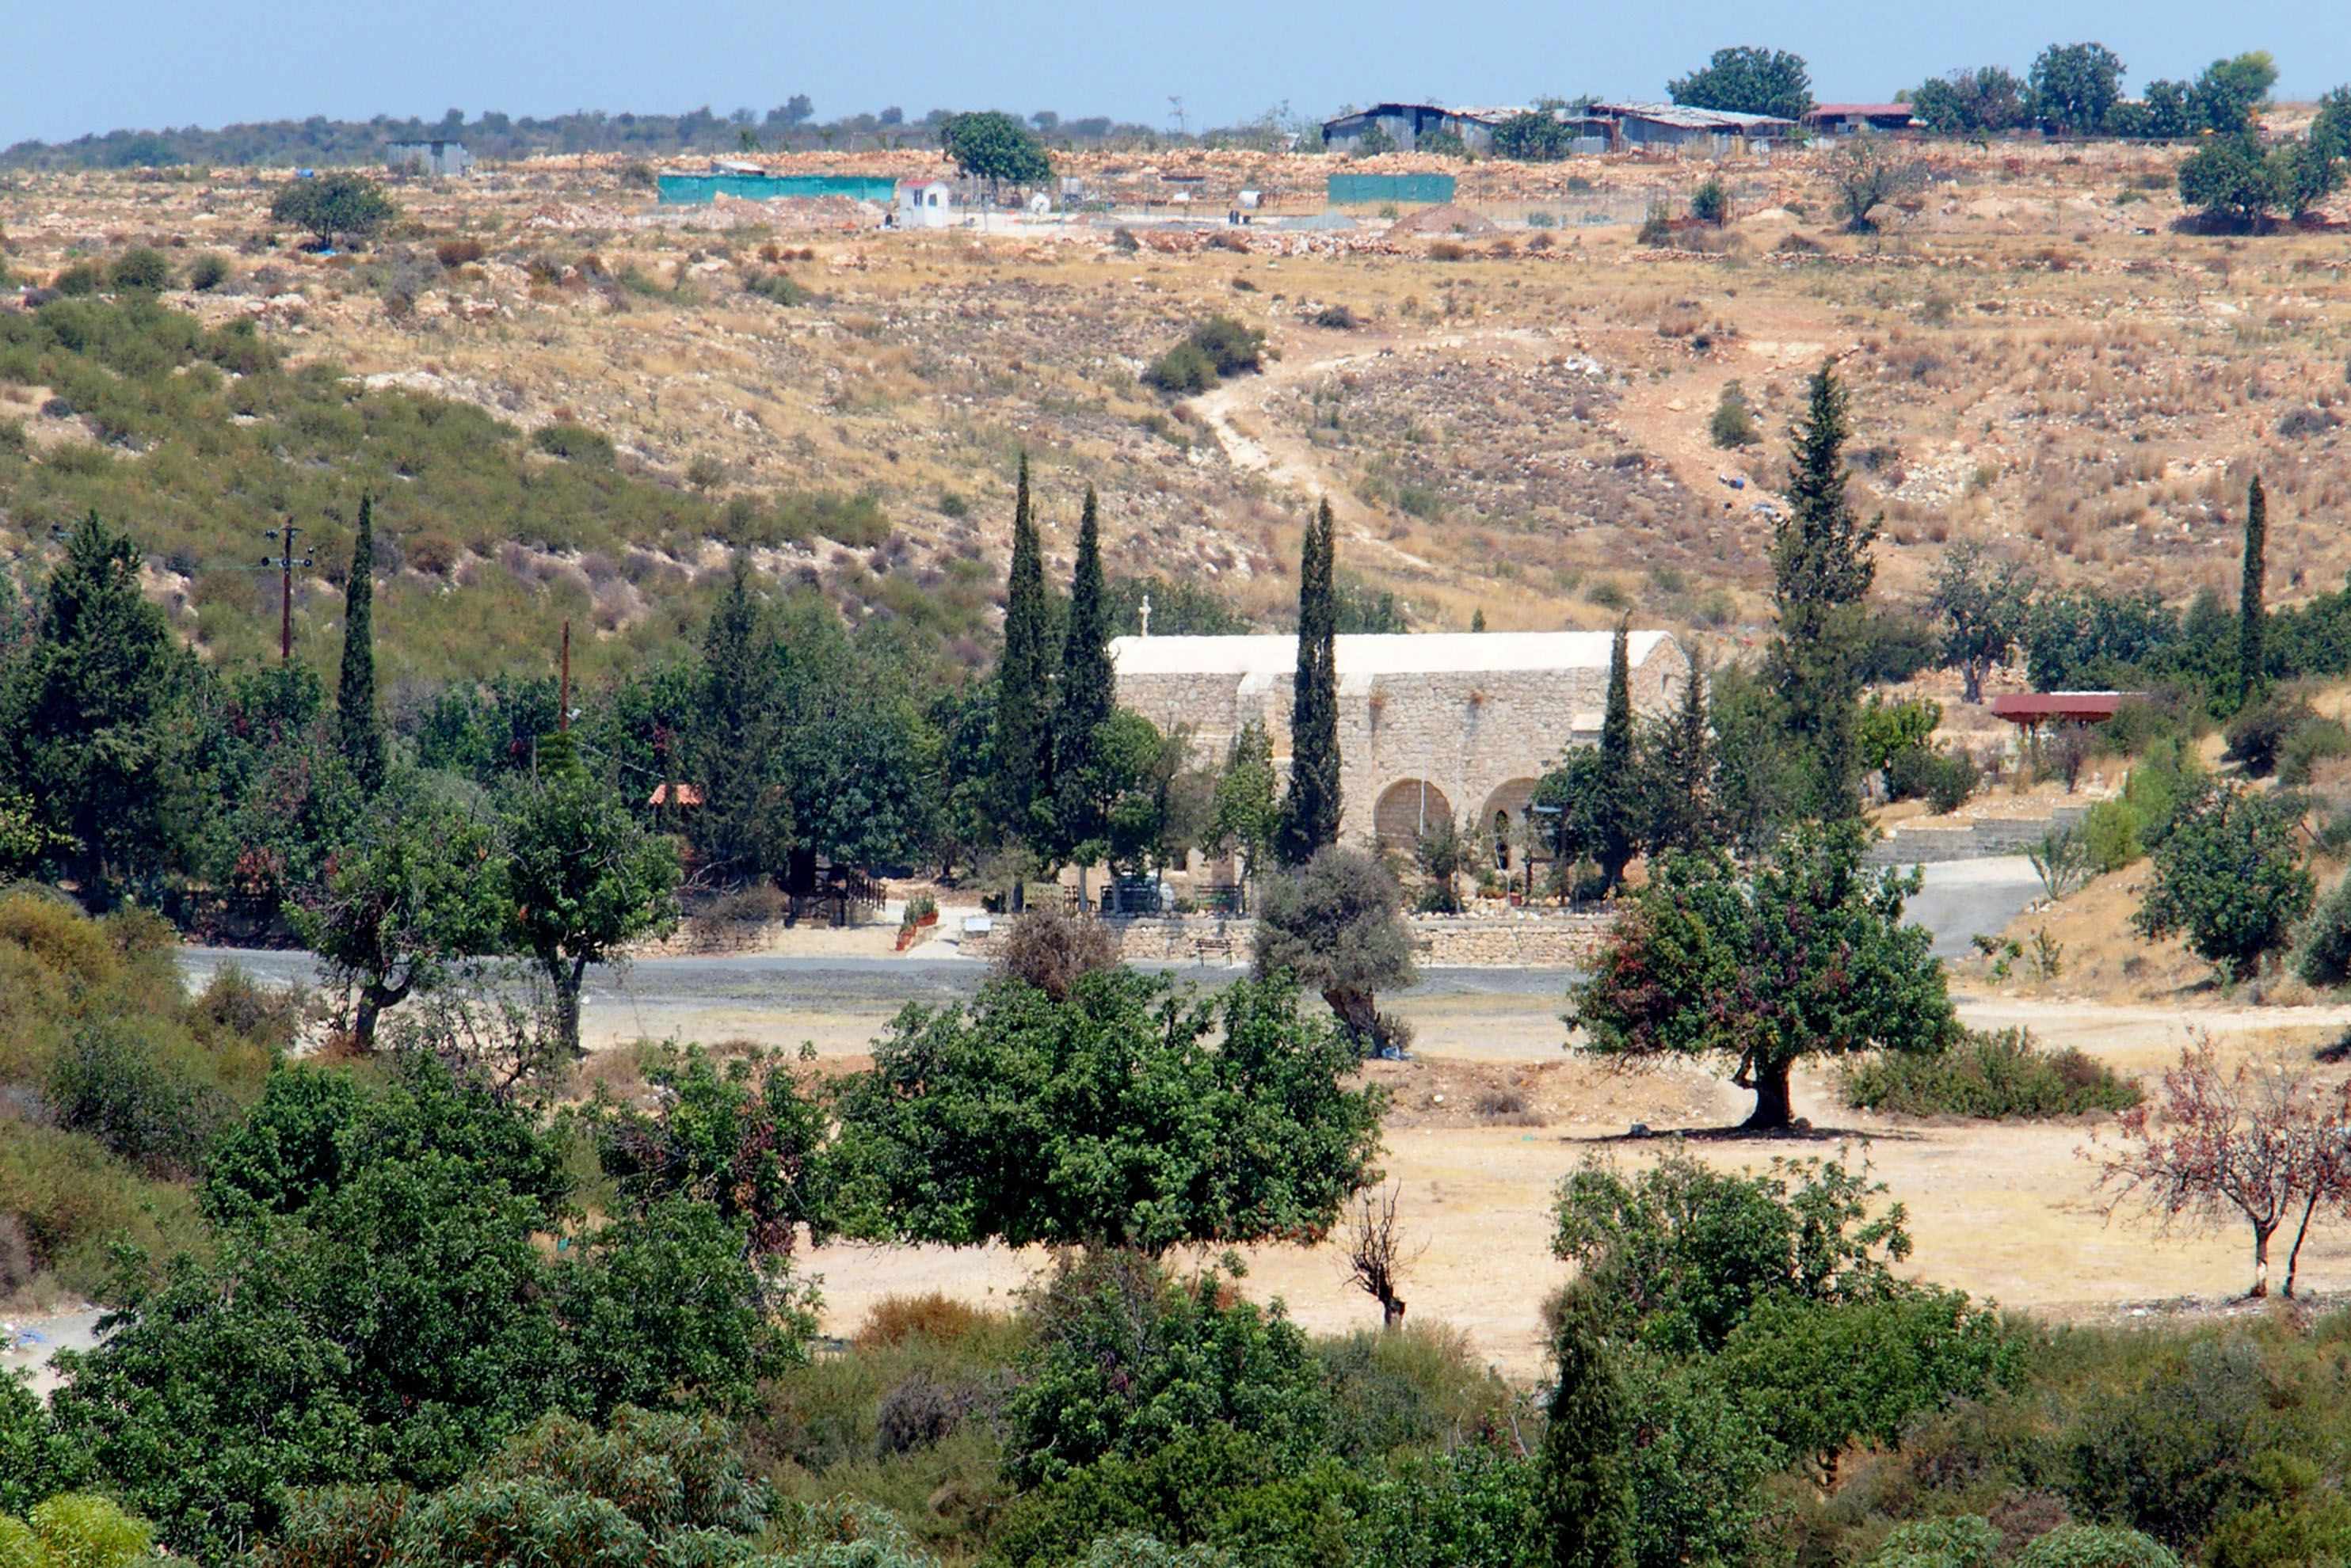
{"type": "Point", "coordinates": [1083, 699]}
{"type": "Point", "coordinates": [2252, 614]}
{"type": "Point", "coordinates": [1585, 1486]}
{"type": "Point", "coordinates": [1477, 618]}
{"type": "Point", "coordinates": [1023, 712]}
{"type": "Point", "coordinates": [358, 728]}
{"type": "Point", "coordinates": [95, 715]}
{"type": "Point", "coordinates": [1616, 814]}
{"type": "Point", "coordinates": [1823, 572]}
{"type": "Point", "coordinates": [1309, 813]}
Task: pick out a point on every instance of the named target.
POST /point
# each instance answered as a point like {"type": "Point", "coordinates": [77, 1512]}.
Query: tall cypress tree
{"type": "Point", "coordinates": [358, 729]}
{"type": "Point", "coordinates": [1309, 814]}
{"type": "Point", "coordinates": [1024, 694]}
{"type": "Point", "coordinates": [2252, 613]}
{"type": "Point", "coordinates": [1084, 699]}
{"type": "Point", "coordinates": [1616, 814]}
{"type": "Point", "coordinates": [1823, 572]}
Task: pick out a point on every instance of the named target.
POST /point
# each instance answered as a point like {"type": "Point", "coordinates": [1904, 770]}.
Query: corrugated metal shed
{"type": "Point", "coordinates": [691, 188]}
{"type": "Point", "coordinates": [1358, 190]}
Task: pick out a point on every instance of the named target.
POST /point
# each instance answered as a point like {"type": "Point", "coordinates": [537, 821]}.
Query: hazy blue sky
{"type": "Point", "coordinates": [152, 63]}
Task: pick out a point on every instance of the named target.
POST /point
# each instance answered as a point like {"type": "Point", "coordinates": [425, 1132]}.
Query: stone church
{"type": "Point", "coordinates": [1430, 724]}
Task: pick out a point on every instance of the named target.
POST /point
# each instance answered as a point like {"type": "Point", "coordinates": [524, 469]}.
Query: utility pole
{"type": "Point", "coordinates": [563, 701]}
{"type": "Point", "coordinates": [285, 563]}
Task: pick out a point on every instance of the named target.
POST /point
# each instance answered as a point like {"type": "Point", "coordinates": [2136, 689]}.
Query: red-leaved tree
{"type": "Point", "coordinates": [2263, 1141]}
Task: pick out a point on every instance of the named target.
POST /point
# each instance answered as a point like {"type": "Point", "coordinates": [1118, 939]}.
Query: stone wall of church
{"type": "Point", "coordinates": [1414, 746]}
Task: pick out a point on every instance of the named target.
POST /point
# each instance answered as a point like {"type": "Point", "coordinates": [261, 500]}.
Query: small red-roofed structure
{"type": "Point", "coordinates": [2030, 710]}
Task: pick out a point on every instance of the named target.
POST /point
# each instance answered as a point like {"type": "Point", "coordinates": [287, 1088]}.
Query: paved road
{"type": "Point", "coordinates": [1960, 898]}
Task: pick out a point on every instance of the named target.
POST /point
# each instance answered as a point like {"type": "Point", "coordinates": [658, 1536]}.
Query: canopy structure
{"type": "Point", "coordinates": [2030, 710]}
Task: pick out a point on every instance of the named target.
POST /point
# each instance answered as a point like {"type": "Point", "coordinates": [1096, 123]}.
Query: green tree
{"type": "Point", "coordinates": [1805, 955]}
{"type": "Point", "coordinates": [422, 887]}
{"type": "Point", "coordinates": [327, 205]}
{"type": "Point", "coordinates": [1082, 701]}
{"type": "Point", "coordinates": [1822, 574]}
{"type": "Point", "coordinates": [2304, 173]}
{"type": "Point", "coordinates": [744, 826]}
{"type": "Point", "coordinates": [1245, 813]}
{"type": "Point", "coordinates": [1748, 80]}
{"type": "Point", "coordinates": [2252, 612]}
{"type": "Point", "coordinates": [98, 717]}
{"type": "Point", "coordinates": [1310, 811]}
{"type": "Point", "coordinates": [1127, 1362]}
{"type": "Point", "coordinates": [2231, 179]}
{"type": "Point", "coordinates": [75, 1530]}
{"type": "Point", "coordinates": [1677, 1257]}
{"type": "Point", "coordinates": [1024, 702]}
{"type": "Point", "coordinates": [742, 1138]}
{"type": "Point", "coordinates": [1710, 203]}
{"type": "Point", "coordinates": [1616, 805]}
{"type": "Point", "coordinates": [1971, 102]}
{"type": "Point", "coordinates": [1983, 608]}
{"type": "Point", "coordinates": [2074, 85]}
{"type": "Point", "coordinates": [2229, 877]}
{"type": "Point", "coordinates": [1122, 1116]}
{"type": "Point", "coordinates": [1336, 924]}
{"type": "Point", "coordinates": [1537, 135]}
{"type": "Point", "coordinates": [584, 881]}
{"type": "Point", "coordinates": [1678, 767]}
{"type": "Point", "coordinates": [993, 146]}
{"type": "Point", "coordinates": [2229, 91]}
{"type": "Point", "coordinates": [358, 728]}
{"type": "Point", "coordinates": [1587, 1486]}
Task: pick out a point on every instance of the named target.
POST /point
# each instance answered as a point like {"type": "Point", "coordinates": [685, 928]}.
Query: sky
{"type": "Point", "coordinates": [149, 64]}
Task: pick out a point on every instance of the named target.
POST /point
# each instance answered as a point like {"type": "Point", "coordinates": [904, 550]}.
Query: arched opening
{"type": "Point", "coordinates": [1407, 810]}
{"type": "Point", "coordinates": [1511, 836]}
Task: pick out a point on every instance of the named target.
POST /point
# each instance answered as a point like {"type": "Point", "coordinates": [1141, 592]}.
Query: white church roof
{"type": "Point", "coordinates": [1407, 653]}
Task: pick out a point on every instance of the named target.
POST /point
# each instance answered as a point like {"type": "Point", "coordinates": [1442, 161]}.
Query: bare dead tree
{"type": "Point", "coordinates": [1377, 1258]}
{"type": "Point", "coordinates": [2265, 1143]}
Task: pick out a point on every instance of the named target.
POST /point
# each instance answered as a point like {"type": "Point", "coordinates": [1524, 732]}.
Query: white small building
{"type": "Point", "coordinates": [925, 204]}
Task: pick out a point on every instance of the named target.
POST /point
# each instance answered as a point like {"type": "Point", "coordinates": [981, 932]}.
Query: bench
{"type": "Point", "coordinates": [1222, 947]}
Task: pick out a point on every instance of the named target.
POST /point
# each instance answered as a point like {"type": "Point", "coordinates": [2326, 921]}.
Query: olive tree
{"type": "Point", "coordinates": [347, 204]}
{"type": "Point", "coordinates": [1807, 954]}
{"type": "Point", "coordinates": [1866, 175]}
{"type": "Point", "coordinates": [422, 887]}
{"type": "Point", "coordinates": [1336, 924]}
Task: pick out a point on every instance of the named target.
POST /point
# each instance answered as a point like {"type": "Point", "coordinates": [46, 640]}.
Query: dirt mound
{"type": "Point", "coordinates": [1448, 219]}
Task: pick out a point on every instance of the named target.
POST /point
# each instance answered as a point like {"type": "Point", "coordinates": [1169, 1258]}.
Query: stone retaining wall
{"type": "Point", "coordinates": [1976, 840]}
{"type": "Point", "coordinates": [1536, 941]}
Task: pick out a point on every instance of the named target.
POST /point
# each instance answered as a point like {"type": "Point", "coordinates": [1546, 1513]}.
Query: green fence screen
{"type": "Point", "coordinates": [1357, 190]}
{"type": "Point", "coordinates": [765, 187]}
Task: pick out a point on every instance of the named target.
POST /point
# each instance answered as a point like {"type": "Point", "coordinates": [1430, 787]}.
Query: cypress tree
{"type": "Point", "coordinates": [358, 729]}
{"type": "Point", "coordinates": [1681, 772]}
{"type": "Point", "coordinates": [1309, 814]}
{"type": "Point", "coordinates": [1823, 572]}
{"type": "Point", "coordinates": [1023, 736]}
{"type": "Point", "coordinates": [1616, 812]}
{"type": "Point", "coordinates": [1084, 698]}
{"type": "Point", "coordinates": [2253, 613]}
{"type": "Point", "coordinates": [743, 825]}
{"type": "Point", "coordinates": [1585, 1486]}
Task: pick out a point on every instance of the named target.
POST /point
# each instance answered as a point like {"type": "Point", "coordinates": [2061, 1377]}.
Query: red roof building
{"type": "Point", "coordinates": [675, 795]}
